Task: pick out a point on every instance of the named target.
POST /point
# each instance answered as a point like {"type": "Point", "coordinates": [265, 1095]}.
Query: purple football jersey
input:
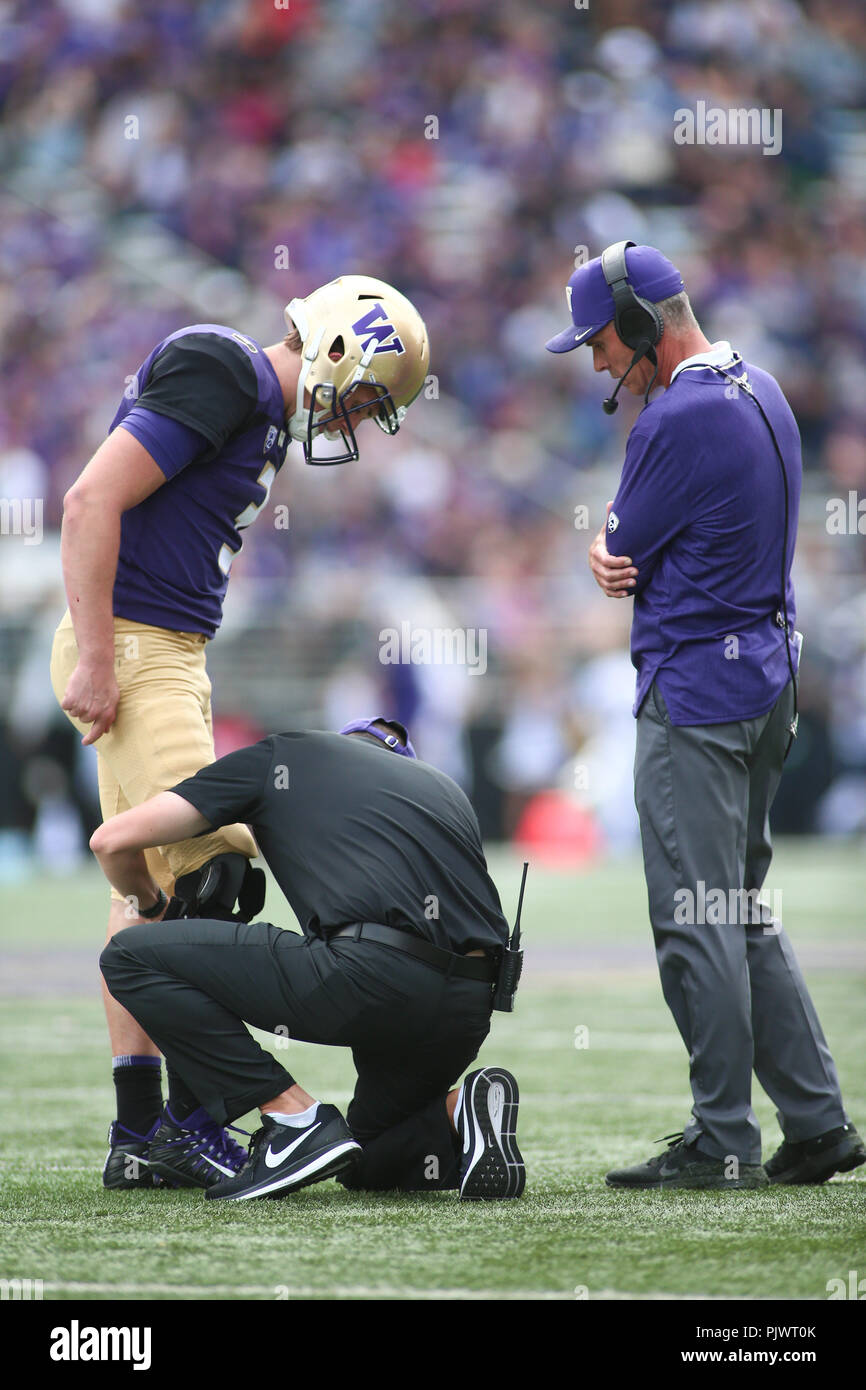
{"type": "Point", "coordinates": [207, 405]}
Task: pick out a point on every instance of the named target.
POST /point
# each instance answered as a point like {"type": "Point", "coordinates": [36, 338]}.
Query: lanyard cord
{"type": "Point", "coordinates": [742, 384]}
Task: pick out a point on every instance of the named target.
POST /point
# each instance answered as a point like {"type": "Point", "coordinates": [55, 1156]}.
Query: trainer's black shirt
{"type": "Point", "coordinates": [356, 833]}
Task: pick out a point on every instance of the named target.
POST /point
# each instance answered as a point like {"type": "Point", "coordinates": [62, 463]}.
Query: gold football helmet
{"type": "Point", "coordinates": [365, 351]}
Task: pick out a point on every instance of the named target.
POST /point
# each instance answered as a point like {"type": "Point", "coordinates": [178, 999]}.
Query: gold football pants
{"type": "Point", "coordinates": [163, 733]}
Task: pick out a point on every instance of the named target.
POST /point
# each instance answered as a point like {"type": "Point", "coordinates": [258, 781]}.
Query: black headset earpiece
{"type": "Point", "coordinates": [638, 323]}
{"type": "Point", "coordinates": [636, 320]}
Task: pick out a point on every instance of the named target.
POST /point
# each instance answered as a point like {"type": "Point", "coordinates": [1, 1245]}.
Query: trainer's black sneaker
{"type": "Point", "coordinates": [196, 1153]}
{"type": "Point", "coordinates": [810, 1161]}
{"type": "Point", "coordinates": [683, 1165]}
{"type": "Point", "coordinates": [127, 1163]}
{"type": "Point", "coordinates": [283, 1158]}
{"type": "Point", "coordinates": [485, 1117]}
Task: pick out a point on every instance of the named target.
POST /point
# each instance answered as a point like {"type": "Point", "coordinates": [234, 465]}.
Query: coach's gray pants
{"type": "Point", "coordinates": [730, 977]}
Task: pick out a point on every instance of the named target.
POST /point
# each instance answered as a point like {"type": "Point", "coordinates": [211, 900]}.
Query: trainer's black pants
{"type": "Point", "coordinates": [193, 984]}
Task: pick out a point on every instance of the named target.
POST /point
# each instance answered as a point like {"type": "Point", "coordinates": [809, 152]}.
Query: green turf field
{"type": "Point", "coordinates": [584, 1108]}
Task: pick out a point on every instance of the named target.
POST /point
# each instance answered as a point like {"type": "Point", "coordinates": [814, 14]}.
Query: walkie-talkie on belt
{"type": "Point", "coordinates": [511, 962]}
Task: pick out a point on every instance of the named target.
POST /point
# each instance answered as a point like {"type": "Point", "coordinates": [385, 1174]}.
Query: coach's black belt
{"type": "Point", "coordinates": [467, 967]}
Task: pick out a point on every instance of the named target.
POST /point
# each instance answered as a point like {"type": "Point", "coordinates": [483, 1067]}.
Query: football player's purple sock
{"type": "Point", "coordinates": [181, 1101]}
{"type": "Point", "coordinates": [195, 1120]}
{"type": "Point", "coordinates": [138, 1091]}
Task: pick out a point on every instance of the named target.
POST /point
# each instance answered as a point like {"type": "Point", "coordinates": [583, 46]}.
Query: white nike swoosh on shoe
{"type": "Point", "coordinates": [460, 1123]}
{"type": "Point", "coordinates": [321, 1160]}
{"type": "Point", "coordinates": [496, 1104]}
{"type": "Point", "coordinates": [272, 1159]}
{"type": "Point", "coordinates": [139, 1158]}
{"type": "Point", "coordinates": [229, 1172]}
{"type": "Point", "coordinates": [478, 1136]}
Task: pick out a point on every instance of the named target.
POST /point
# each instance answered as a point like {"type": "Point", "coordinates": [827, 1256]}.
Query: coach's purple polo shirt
{"type": "Point", "coordinates": [208, 407]}
{"type": "Point", "coordinates": [700, 510]}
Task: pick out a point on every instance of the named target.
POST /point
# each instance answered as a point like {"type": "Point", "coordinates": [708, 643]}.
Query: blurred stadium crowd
{"type": "Point", "coordinates": [206, 160]}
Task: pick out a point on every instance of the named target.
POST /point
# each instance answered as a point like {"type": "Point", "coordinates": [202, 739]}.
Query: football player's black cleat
{"type": "Point", "coordinates": [197, 1153]}
{"type": "Point", "coordinates": [682, 1165]}
{"type": "Point", "coordinates": [127, 1163]}
{"type": "Point", "coordinates": [485, 1117]}
{"type": "Point", "coordinates": [808, 1162]}
{"type": "Point", "coordinates": [213, 890]}
{"type": "Point", "coordinates": [285, 1157]}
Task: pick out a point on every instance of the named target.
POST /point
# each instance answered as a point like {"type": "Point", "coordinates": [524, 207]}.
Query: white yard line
{"type": "Point", "coordinates": [270, 1291]}
{"type": "Point", "coordinates": [383, 1291]}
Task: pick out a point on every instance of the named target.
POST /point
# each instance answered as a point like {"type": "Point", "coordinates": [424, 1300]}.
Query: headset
{"type": "Point", "coordinates": [639, 324]}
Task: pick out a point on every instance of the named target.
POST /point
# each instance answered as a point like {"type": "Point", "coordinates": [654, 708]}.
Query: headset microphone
{"type": "Point", "coordinates": [643, 349]}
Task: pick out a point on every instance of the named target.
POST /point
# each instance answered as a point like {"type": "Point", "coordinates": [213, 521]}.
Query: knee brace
{"type": "Point", "coordinates": [215, 889]}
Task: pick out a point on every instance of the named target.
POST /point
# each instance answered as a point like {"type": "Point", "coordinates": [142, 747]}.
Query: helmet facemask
{"type": "Point", "coordinates": [331, 415]}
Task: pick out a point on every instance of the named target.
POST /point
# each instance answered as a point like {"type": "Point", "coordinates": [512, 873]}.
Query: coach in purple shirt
{"type": "Point", "coordinates": [701, 536]}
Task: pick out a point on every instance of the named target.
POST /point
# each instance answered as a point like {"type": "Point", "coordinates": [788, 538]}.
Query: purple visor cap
{"type": "Point", "coordinates": [365, 726]}
{"type": "Point", "coordinates": [650, 274]}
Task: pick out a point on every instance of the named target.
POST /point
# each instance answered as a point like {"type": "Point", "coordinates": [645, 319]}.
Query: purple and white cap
{"type": "Point", "coordinates": [366, 726]}
{"type": "Point", "coordinates": [650, 274]}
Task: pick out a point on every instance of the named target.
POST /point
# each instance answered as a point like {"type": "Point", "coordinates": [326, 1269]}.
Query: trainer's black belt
{"type": "Point", "coordinates": [467, 967]}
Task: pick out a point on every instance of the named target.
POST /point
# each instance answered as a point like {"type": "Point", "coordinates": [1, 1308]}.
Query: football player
{"type": "Point", "coordinates": [150, 529]}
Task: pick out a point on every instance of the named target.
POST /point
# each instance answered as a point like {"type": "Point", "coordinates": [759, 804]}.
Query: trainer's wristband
{"type": "Point", "coordinates": [151, 912]}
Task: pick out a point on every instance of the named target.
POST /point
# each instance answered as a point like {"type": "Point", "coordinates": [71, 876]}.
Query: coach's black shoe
{"type": "Point", "coordinates": [683, 1165]}
{"type": "Point", "coordinates": [485, 1117]}
{"type": "Point", "coordinates": [808, 1162]}
{"type": "Point", "coordinates": [127, 1163]}
{"type": "Point", "coordinates": [197, 1153]}
{"type": "Point", "coordinates": [283, 1158]}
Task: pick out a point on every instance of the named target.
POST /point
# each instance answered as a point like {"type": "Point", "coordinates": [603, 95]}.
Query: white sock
{"type": "Point", "coordinates": [297, 1121]}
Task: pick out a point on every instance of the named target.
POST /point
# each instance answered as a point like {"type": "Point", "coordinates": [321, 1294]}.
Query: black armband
{"type": "Point", "coordinates": [151, 912]}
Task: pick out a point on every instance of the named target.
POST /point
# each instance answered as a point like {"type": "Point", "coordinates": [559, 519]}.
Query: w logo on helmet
{"type": "Point", "coordinates": [370, 330]}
